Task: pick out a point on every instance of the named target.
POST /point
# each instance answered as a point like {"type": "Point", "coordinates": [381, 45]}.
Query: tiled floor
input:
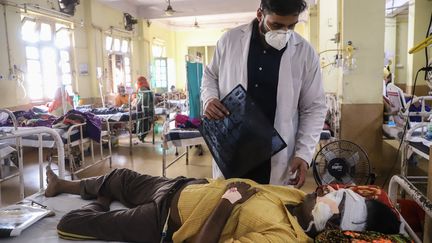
{"type": "Point", "coordinates": [147, 158]}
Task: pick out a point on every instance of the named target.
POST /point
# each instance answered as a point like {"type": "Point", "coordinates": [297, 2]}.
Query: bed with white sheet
{"type": "Point", "coordinates": [44, 230]}
{"type": "Point", "coordinates": [72, 137]}
{"type": "Point", "coordinates": [177, 137]}
{"type": "Point", "coordinates": [129, 119]}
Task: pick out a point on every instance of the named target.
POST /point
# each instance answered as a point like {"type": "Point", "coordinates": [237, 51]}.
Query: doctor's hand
{"type": "Point", "coordinates": [298, 168]}
{"type": "Point", "coordinates": [215, 110]}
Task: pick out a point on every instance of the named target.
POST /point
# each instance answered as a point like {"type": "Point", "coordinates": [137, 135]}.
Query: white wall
{"type": "Point", "coordinates": [363, 85]}
{"type": "Point", "coordinates": [401, 62]}
{"type": "Point", "coordinates": [418, 22]}
{"type": "Point", "coordinates": [328, 28]}
{"type": "Point", "coordinates": [390, 40]}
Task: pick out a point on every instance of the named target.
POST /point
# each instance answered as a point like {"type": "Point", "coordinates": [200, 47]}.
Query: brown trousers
{"type": "Point", "coordinates": [147, 198]}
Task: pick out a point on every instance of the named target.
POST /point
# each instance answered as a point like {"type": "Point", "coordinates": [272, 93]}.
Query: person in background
{"type": "Point", "coordinates": [122, 98]}
{"type": "Point", "coordinates": [281, 72]}
{"type": "Point", "coordinates": [55, 107]}
{"type": "Point", "coordinates": [144, 101]}
{"type": "Point", "coordinates": [173, 88]}
{"type": "Point", "coordinates": [142, 84]}
{"type": "Point", "coordinates": [387, 78]}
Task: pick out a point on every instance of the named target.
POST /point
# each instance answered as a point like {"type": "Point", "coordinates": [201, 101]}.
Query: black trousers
{"type": "Point", "coordinates": [260, 174]}
{"type": "Point", "coordinates": [147, 199]}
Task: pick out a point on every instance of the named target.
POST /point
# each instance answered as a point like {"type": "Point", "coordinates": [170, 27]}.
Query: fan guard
{"type": "Point", "coordinates": [342, 162]}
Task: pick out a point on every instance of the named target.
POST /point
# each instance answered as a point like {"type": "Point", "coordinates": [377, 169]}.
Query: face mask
{"type": "Point", "coordinates": [277, 38]}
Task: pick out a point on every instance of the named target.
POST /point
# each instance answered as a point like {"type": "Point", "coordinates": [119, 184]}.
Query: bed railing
{"type": "Point", "coordinates": [18, 134]}
{"type": "Point", "coordinates": [74, 169]}
{"type": "Point", "coordinates": [400, 182]}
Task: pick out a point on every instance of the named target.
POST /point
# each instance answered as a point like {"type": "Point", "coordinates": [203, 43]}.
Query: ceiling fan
{"type": "Point", "coordinates": [196, 25]}
{"type": "Point", "coordinates": [169, 11]}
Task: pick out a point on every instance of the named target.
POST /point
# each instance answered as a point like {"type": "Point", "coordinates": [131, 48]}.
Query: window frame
{"type": "Point", "coordinates": [40, 45]}
{"type": "Point", "coordinates": [159, 83]}
{"type": "Point", "coordinates": [125, 54]}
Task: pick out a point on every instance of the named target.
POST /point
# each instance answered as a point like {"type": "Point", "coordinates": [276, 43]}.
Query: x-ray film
{"type": "Point", "coordinates": [244, 139]}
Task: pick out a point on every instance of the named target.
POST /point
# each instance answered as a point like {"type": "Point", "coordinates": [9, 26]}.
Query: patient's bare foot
{"type": "Point", "coordinates": [53, 183]}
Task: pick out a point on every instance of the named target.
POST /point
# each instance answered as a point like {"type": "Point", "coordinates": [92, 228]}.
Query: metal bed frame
{"type": "Point", "coordinates": [165, 147]}
{"type": "Point", "coordinates": [18, 135]}
{"type": "Point", "coordinates": [68, 146]}
{"type": "Point", "coordinates": [105, 137]}
{"type": "Point", "coordinates": [133, 122]}
{"type": "Point", "coordinates": [421, 128]}
{"type": "Point", "coordinates": [401, 182]}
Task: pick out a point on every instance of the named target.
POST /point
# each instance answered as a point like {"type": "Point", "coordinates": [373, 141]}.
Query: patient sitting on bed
{"type": "Point", "coordinates": [201, 210]}
{"type": "Point", "coordinates": [122, 99]}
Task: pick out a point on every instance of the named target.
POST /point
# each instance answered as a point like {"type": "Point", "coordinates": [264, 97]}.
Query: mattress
{"type": "Point", "coordinates": [44, 231]}
{"type": "Point", "coordinates": [183, 137]}
{"type": "Point", "coordinates": [119, 117]}
{"type": "Point", "coordinates": [47, 140]}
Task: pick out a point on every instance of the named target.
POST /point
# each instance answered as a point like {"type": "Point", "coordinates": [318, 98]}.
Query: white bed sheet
{"type": "Point", "coordinates": [45, 230]}
{"type": "Point", "coordinates": [47, 140]}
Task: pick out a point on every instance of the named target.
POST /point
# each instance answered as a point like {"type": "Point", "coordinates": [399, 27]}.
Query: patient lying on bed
{"type": "Point", "coordinates": [200, 210]}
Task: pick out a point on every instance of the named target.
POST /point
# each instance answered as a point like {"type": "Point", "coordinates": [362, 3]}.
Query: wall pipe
{"type": "Point", "coordinates": [8, 50]}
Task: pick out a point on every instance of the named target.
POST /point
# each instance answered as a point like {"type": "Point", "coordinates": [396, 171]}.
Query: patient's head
{"type": "Point", "coordinates": [346, 210]}
{"type": "Point", "coordinates": [142, 83]}
{"type": "Point", "coordinates": [121, 89]}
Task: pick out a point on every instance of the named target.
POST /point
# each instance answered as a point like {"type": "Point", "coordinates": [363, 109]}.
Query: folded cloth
{"type": "Point", "coordinates": [183, 121]}
{"type": "Point", "coordinates": [93, 125]}
{"type": "Point", "coordinates": [29, 119]}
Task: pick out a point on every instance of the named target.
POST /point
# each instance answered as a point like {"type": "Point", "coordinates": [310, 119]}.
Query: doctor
{"type": "Point", "coordinates": [281, 72]}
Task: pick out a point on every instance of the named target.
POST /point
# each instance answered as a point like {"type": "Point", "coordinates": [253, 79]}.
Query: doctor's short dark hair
{"type": "Point", "coordinates": [283, 7]}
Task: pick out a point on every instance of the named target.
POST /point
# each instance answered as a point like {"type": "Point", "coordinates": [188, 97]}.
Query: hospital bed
{"type": "Point", "coordinates": [413, 135]}
{"type": "Point", "coordinates": [130, 118]}
{"type": "Point", "coordinates": [17, 136]}
{"type": "Point", "coordinates": [177, 137]}
{"type": "Point", "coordinates": [173, 102]}
{"type": "Point", "coordinates": [398, 183]}
{"type": "Point", "coordinates": [45, 229]}
{"type": "Point", "coordinates": [71, 138]}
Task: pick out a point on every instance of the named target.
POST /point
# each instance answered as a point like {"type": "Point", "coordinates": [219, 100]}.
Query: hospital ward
{"type": "Point", "coordinates": [204, 121]}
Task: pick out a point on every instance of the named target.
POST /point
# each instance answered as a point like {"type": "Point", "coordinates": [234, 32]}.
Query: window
{"type": "Point", "coordinates": [119, 62]}
{"type": "Point", "coordinates": [48, 62]}
{"type": "Point", "coordinates": [161, 72]}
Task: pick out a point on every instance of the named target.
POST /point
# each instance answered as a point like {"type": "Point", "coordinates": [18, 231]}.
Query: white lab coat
{"type": "Point", "coordinates": [301, 108]}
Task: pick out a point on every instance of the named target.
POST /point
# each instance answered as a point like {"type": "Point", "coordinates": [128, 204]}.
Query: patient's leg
{"type": "Point", "coordinates": [126, 186]}
{"type": "Point", "coordinates": [95, 221]}
{"type": "Point", "coordinates": [57, 185]}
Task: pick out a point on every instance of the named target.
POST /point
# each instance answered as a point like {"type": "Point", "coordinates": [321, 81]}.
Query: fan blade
{"type": "Point", "coordinates": [329, 155]}
{"type": "Point", "coordinates": [347, 180]}
{"type": "Point", "coordinates": [327, 178]}
{"type": "Point", "coordinates": [156, 8]}
{"type": "Point", "coordinates": [353, 159]}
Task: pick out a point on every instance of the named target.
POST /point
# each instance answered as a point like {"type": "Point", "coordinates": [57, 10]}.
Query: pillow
{"type": "Point", "coordinates": [368, 192]}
